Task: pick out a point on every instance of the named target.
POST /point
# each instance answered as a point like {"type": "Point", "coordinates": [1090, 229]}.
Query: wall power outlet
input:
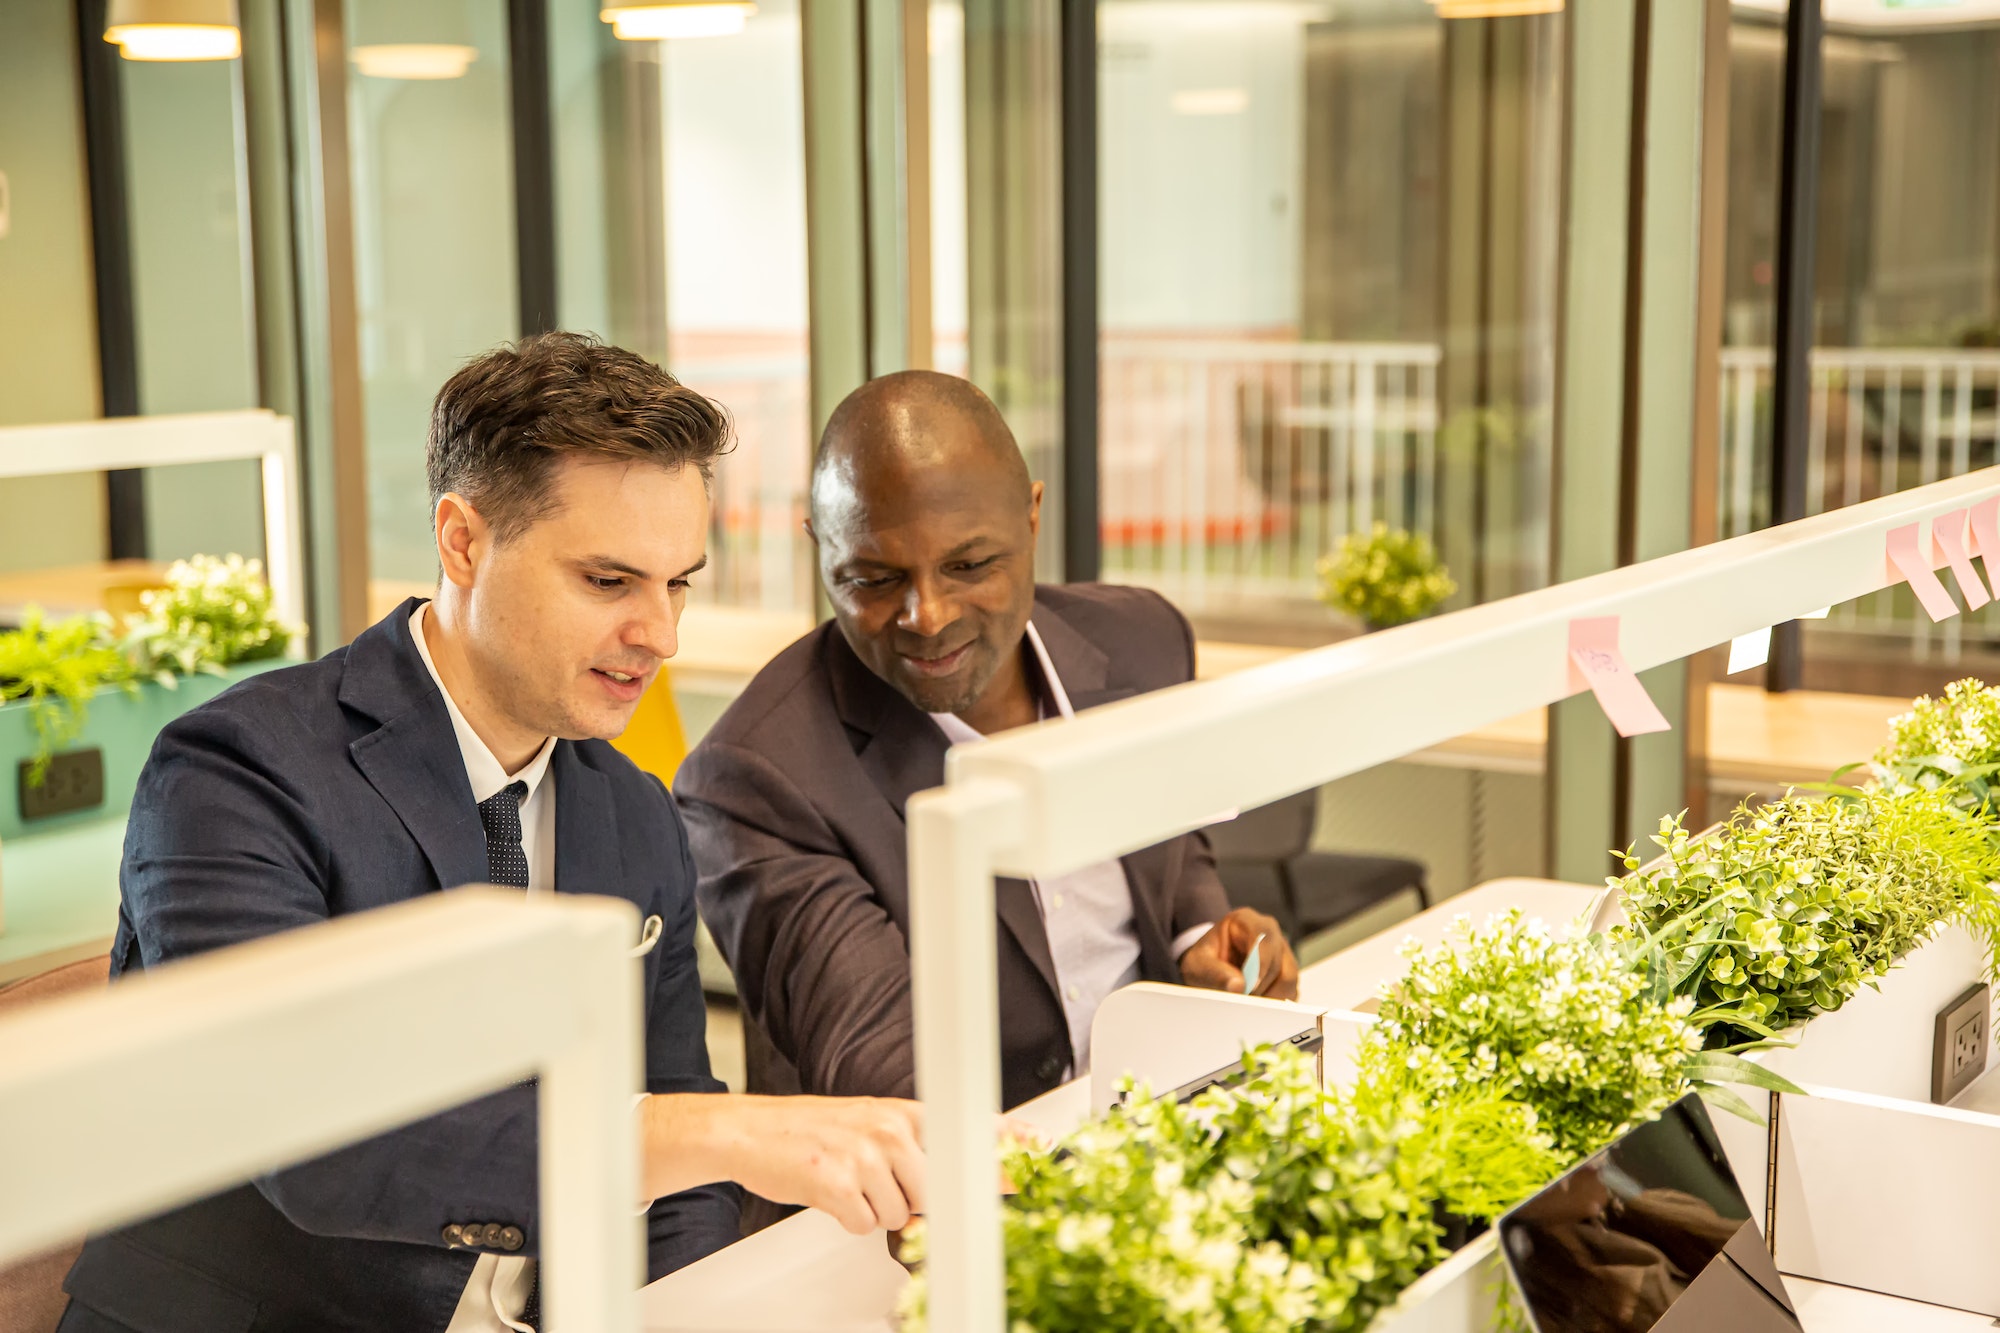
{"type": "Point", "coordinates": [1958, 1044]}
{"type": "Point", "coordinates": [75, 781]}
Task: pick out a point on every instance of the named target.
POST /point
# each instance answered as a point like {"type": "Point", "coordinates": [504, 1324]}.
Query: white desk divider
{"type": "Point", "coordinates": [175, 1083]}
{"type": "Point", "coordinates": [1047, 800]}
{"type": "Point", "coordinates": [193, 437]}
{"type": "Point", "coordinates": [1170, 1036]}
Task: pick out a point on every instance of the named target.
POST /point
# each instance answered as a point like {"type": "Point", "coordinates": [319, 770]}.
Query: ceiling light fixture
{"type": "Point", "coordinates": [1494, 9]}
{"type": "Point", "coordinates": [414, 60]}
{"type": "Point", "coordinates": [683, 18]}
{"type": "Point", "coordinates": [174, 29]}
{"type": "Point", "coordinates": [1210, 101]}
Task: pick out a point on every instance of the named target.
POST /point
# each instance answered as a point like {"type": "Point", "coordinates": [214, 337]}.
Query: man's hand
{"type": "Point", "coordinates": [860, 1159]}
{"type": "Point", "coordinates": [1215, 961]}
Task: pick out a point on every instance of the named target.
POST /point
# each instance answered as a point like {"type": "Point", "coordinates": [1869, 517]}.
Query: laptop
{"type": "Point", "coordinates": [1650, 1235]}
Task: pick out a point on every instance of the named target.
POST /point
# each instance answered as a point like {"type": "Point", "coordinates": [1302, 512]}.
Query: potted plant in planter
{"type": "Point", "coordinates": [88, 683]}
{"type": "Point", "coordinates": [1502, 1057]}
{"type": "Point", "coordinates": [1784, 911]}
{"type": "Point", "coordinates": [1389, 577]}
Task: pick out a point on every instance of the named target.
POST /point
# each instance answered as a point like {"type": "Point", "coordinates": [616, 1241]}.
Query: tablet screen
{"type": "Point", "coordinates": [1652, 1233]}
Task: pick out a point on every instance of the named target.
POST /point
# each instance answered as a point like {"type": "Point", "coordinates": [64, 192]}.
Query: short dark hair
{"type": "Point", "coordinates": [502, 422]}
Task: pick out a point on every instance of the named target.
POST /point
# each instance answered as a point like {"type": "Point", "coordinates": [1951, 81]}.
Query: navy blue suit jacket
{"type": "Point", "coordinates": [330, 788]}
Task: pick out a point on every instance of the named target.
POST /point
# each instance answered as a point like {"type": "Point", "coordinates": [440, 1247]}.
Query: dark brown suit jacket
{"type": "Point", "coordinates": [794, 804]}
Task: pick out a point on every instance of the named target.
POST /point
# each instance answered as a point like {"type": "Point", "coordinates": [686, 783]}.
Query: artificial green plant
{"type": "Point", "coordinates": [1387, 577]}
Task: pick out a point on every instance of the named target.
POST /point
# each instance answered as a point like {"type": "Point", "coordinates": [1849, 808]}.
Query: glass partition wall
{"type": "Point", "coordinates": [431, 156]}
{"type": "Point", "coordinates": [1904, 372]}
{"type": "Point", "coordinates": [680, 232]}
{"type": "Point", "coordinates": [1328, 286]}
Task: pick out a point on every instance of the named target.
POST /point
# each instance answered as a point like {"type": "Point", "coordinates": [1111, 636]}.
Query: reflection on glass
{"type": "Point", "coordinates": [734, 133]}
{"type": "Point", "coordinates": [433, 202]}
{"type": "Point", "coordinates": [187, 204]}
{"type": "Point", "coordinates": [1328, 289]}
{"type": "Point", "coordinates": [681, 234]}
{"type": "Point", "coordinates": [1905, 368]}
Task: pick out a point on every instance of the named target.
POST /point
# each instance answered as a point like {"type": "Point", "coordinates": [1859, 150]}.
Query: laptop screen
{"type": "Point", "coordinates": [1651, 1233]}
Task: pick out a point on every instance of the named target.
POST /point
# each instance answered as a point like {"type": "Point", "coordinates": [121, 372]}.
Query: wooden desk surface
{"type": "Point", "coordinates": [114, 586]}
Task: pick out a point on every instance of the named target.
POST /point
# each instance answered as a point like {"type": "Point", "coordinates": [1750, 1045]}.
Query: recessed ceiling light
{"type": "Point", "coordinates": [174, 29]}
{"type": "Point", "coordinates": [1210, 101]}
{"type": "Point", "coordinates": [686, 18]}
{"type": "Point", "coordinates": [414, 60]}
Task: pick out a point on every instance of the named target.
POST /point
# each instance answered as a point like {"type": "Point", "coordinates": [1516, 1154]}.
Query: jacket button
{"type": "Point", "coordinates": [511, 1238]}
{"type": "Point", "coordinates": [1048, 1069]}
{"type": "Point", "coordinates": [489, 1235]}
{"type": "Point", "coordinates": [452, 1236]}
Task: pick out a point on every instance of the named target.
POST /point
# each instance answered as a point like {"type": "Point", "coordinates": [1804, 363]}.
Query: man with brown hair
{"type": "Point", "coordinates": [462, 740]}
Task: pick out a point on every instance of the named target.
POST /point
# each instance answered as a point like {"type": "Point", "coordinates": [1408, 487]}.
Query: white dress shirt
{"type": "Point", "coordinates": [1087, 913]}
{"type": "Point", "coordinates": [497, 1292]}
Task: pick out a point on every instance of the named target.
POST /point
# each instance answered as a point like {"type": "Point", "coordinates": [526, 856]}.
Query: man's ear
{"type": "Point", "coordinates": [462, 538]}
{"type": "Point", "coordinates": [1035, 510]}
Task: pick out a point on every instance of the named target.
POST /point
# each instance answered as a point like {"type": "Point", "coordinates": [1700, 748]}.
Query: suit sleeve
{"type": "Point", "coordinates": [219, 851]}
{"type": "Point", "coordinates": [820, 965]}
{"type": "Point", "coordinates": [684, 1227]}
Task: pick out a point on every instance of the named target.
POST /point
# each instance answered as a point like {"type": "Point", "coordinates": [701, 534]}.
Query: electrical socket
{"type": "Point", "coordinates": [74, 781]}
{"type": "Point", "coordinates": [1958, 1044]}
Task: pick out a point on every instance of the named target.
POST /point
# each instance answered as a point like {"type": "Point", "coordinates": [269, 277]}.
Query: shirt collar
{"type": "Point", "coordinates": [958, 733]}
{"type": "Point", "coordinates": [488, 779]}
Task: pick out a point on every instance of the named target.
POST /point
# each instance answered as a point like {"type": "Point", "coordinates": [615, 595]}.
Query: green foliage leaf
{"type": "Point", "coordinates": [1387, 577]}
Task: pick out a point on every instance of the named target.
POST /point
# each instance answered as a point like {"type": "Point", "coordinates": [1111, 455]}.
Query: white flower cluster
{"type": "Point", "coordinates": [1566, 1025]}
{"type": "Point", "coordinates": [1963, 725]}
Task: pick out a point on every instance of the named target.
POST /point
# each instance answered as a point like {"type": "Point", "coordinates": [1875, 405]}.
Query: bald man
{"type": "Point", "coordinates": [925, 518]}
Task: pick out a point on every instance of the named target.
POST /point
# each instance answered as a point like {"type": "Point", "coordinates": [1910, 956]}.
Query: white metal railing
{"type": "Point", "coordinates": [1046, 800]}
{"type": "Point", "coordinates": [178, 1082]}
{"type": "Point", "coordinates": [1879, 420]}
{"type": "Point", "coordinates": [194, 437]}
{"type": "Point", "coordinates": [1230, 466]}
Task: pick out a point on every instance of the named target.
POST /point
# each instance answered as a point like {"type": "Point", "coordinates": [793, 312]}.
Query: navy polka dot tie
{"type": "Point", "coordinates": [506, 863]}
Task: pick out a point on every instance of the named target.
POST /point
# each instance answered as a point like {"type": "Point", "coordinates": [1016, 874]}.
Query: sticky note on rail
{"type": "Point", "coordinates": [1984, 519]}
{"type": "Point", "coordinates": [1594, 661]}
{"type": "Point", "coordinates": [1908, 565]}
{"type": "Point", "coordinates": [1948, 537]}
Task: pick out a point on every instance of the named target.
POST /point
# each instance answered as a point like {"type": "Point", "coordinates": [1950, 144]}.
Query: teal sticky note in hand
{"type": "Point", "coordinates": [1252, 965]}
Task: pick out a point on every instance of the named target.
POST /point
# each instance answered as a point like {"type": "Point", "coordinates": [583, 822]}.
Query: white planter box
{"type": "Point", "coordinates": [1876, 1187]}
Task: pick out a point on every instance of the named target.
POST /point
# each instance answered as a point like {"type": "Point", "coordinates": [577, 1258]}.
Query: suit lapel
{"type": "Point", "coordinates": [899, 747]}
{"type": "Point", "coordinates": [412, 758]}
{"type": "Point", "coordinates": [1084, 670]}
{"type": "Point", "coordinates": [902, 751]}
{"type": "Point", "coordinates": [587, 856]}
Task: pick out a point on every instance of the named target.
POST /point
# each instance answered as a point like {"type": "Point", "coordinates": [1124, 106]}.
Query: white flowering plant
{"type": "Point", "coordinates": [1787, 909]}
{"type": "Point", "coordinates": [1271, 1204]}
{"type": "Point", "coordinates": [1569, 1026]}
{"type": "Point", "coordinates": [1949, 744]}
{"type": "Point", "coordinates": [214, 613]}
{"type": "Point", "coordinates": [1505, 1055]}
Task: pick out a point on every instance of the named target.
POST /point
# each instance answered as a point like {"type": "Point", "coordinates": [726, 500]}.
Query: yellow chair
{"type": "Point", "coordinates": [655, 740]}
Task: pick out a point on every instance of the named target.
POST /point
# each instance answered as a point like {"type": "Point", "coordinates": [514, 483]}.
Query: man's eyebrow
{"type": "Point", "coordinates": [694, 568]}
{"type": "Point", "coordinates": [605, 562]}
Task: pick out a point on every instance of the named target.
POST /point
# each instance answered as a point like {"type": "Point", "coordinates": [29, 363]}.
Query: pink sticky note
{"type": "Point", "coordinates": [1948, 536]}
{"type": "Point", "coordinates": [1985, 520]}
{"type": "Point", "coordinates": [1908, 565]}
{"type": "Point", "coordinates": [1596, 662]}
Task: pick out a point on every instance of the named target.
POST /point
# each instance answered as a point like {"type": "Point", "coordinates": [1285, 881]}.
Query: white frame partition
{"type": "Point", "coordinates": [1045, 800]}
{"type": "Point", "coordinates": [178, 1082]}
{"type": "Point", "coordinates": [195, 437]}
